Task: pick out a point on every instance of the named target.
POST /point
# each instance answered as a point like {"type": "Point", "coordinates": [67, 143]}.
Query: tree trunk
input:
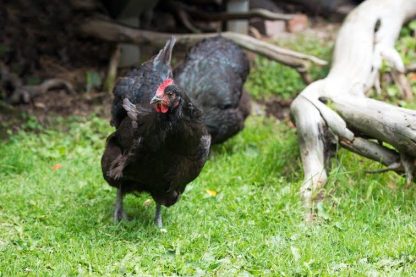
{"type": "Point", "coordinates": [336, 109]}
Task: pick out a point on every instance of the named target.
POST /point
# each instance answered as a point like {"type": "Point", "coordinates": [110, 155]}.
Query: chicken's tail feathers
{"type": "Point", "coordinates": [165, 54]}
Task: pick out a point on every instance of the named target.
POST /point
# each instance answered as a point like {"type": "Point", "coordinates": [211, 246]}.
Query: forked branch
{"type": "Point", "coordinates": [337, 105]}
{"type": "Point", "coordinates": [115, 32]}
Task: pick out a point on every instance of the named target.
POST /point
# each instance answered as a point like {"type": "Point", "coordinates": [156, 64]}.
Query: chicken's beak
{"type": "Point", "coordinates": [156, 99]}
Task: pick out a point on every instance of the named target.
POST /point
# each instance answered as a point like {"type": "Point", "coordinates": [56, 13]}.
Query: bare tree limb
{"type": "Point", "coordinates": [371, 150]}
{"type": "Point", "coordinates": [411, 68]}
{"type": "Point", "coordinates": [366, 37]}
{"type": "Point", "coordinates": [403, 84]}
{"type": "Point", "coordinates": [115, 32]}
{"type": "Point", "coordinates": [24, 93]}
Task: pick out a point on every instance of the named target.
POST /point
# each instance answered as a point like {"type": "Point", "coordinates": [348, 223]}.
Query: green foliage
{"type": "Point", "coordinates": [406, 46]}
{"type": "Point", "coordinates": [93, 80]}
{"type": "Point", "coordinates": [268, 78]}
{"type": "Point", "coordinates": [56, 220]}
{"type": "Point", "coordinates": [242, 216]}
{"type": "Point", "coordinates": [409, 30]}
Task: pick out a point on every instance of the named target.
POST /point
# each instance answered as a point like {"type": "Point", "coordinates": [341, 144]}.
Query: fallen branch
{"type": "Point", "coordinates": [23, 93]}
{"type": "Point", "coordinates": [336, 109]}
{"type": "Point", "coordinates": [411, 68]}
{"type": "Point", "coordinates": [112, 31]}
{"type": "Point", "coordinates": [403, 84]}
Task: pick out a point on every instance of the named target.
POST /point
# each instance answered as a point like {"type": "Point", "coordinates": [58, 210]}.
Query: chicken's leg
{"type": "Point", "coordinates": [119, 213]}
{"type": "Point", "coordinates": [158, 216]}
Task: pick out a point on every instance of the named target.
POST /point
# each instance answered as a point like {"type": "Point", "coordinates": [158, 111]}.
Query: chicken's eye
{"type": "Point", "coordinates": [169, 93]}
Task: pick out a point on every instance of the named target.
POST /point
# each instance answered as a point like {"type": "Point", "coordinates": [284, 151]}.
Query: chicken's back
{"type": "Point", "coordinates": [213, 74]}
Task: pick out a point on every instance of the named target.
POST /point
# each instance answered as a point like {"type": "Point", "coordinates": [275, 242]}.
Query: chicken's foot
{"type": "Point", "coordinates": [119, 213]}
{"type": "Point", "coordinates": [158, 216]}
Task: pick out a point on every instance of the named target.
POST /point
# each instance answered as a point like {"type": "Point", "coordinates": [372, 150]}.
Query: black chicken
{"type": "Point", "coordinates": [213, 75]}
{"type": "Point", "coordinates": [160, 143]}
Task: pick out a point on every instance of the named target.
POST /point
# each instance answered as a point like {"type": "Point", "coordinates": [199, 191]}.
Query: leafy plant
{"type": "Point", "coordinates": [406, 46]}
{"type": "Point", "coordinates": [93, 80]}
{"type": "Point", "coordinates": [268, 78]}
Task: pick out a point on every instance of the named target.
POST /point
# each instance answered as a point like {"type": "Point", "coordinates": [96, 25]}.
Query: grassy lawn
{"type": "Point", "coordinates": [242, 215]}
{"type": "Point", "coordinates": [268, 78]}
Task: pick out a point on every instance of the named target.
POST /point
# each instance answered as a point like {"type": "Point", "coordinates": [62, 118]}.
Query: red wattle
{"type": "Point", "coordinates": [160, 108]}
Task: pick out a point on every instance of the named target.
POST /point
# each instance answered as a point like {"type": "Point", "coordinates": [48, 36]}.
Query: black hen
{"type": "Point", "coordinates": [160, 143]}
{"type": "Point", "coordinates": [213, 76]}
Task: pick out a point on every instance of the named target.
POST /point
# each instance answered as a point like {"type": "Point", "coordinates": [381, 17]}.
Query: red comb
{"type": "Point", "coordinates": [162, 86]}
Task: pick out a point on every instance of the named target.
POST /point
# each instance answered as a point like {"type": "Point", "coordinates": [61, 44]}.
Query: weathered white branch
{"type": "Point", "coordinates": [372, 150]}
{"type": "Point", "coordinates": [111, 31]}
{"type": "Point", "coordinates": [366, 37]}
{"type": "Point", "coordinates": [385, 122]}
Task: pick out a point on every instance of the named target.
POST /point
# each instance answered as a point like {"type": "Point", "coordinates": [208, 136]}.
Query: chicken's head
{"type": "Point", "coordinates": [167, 98]}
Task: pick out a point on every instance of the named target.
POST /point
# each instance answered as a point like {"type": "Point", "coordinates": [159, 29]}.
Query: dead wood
{"type": "Point", "coordinates": [337, 107]}
{"type": "Point", "coordinates": [112, 31]}
{"type": "Point", "coordinates": [20, 93]}
{"type": "Point", "coordinates": [411, 68]}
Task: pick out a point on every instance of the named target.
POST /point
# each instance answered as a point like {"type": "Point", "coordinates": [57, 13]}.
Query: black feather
{"type": "Point", "coordinates": [158, 153]}
{"type": "Point", "coordinates": [213, 75]}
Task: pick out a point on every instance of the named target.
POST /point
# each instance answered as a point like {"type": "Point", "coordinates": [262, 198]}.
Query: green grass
{"type": "Point", "coordinates": [58, 222]}
{"type": "Point", "coordinates": [56, 209]}
{"type": "Point", "coordinates": [268, 78]}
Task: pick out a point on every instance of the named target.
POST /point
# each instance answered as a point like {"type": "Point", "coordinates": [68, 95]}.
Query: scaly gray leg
{"type": "Point", "coordinates": [158, 216]}
{"type": "Point", "coordinates": [119, 213]}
